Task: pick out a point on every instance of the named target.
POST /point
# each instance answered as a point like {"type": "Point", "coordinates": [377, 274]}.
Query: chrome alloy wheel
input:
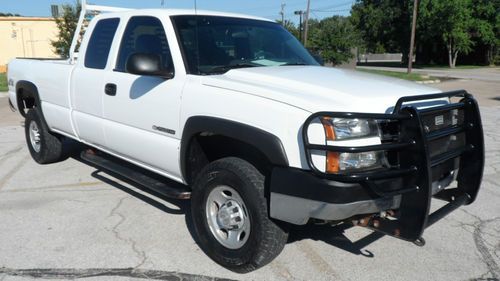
{"type": "Point", "coordinates": [227, 217]}
{"type": "Point", "coordinates": [36, 143]}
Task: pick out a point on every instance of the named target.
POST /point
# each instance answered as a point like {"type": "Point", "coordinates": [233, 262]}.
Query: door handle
{"type": "Point", "coordinates": [110, 89]}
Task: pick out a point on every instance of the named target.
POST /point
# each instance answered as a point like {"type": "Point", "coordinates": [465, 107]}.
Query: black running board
{"type": "Point", "coordinates": [136, 174]}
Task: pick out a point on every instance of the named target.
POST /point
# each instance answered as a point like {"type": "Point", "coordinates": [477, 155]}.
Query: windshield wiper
{"type": "Point", "coordinates": [226, 68]}
{"type": "Point", "coordinates": [293, 63]}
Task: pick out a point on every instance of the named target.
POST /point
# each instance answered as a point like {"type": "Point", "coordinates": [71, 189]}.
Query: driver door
{"type": "Point", "coordinates": [141, 113]}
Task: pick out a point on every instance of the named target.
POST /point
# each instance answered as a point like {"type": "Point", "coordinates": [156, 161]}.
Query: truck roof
{"type": "Point", "coordinates": [179, 12]}
{"type": "Point", "coordinates": [124, 12]}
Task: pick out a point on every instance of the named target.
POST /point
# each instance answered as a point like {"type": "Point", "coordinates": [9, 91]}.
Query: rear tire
{"type": "Point", "coordinates": [44, 146]}
{"type": "Point", "coordinates": [230, 215]}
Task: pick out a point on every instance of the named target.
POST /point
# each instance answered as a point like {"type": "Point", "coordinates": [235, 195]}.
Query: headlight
{"type": "Point", "coordinates": [351, 132]}
{"type": "Point", "coordinates": [348, 128]}
{"type": "Point", "coordinates": [352, 161]}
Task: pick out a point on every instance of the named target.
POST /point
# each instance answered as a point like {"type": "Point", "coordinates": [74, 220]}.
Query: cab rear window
{"type": "Point", "coordinates": [100, 43]}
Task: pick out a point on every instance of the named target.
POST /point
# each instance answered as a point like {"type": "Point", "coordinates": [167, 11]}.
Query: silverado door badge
{"type": "Point", "coordinates": [163, 130]}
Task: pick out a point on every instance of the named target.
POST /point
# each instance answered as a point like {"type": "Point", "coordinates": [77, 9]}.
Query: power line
{"type": "Point", "coordinates": [289, 4]}
{"type": "Point", "coordinates": [328, 8]}
{"type": "Point", "coordinates": [332, 11]}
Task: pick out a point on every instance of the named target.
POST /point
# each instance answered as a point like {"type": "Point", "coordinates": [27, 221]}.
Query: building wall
{"type": "Point", "coordinates": [26, 37]}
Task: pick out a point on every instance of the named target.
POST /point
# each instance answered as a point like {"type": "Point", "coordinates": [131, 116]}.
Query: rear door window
{"type": "Point", "coordinates": [100, 43]}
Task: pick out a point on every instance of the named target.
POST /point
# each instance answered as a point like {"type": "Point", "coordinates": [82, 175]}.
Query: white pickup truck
{"type": "Point", "coordinates": [257, 133]}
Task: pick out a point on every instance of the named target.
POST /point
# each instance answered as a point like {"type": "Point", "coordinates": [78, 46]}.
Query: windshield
{"type": "Point", "coordinates": [214, 45]}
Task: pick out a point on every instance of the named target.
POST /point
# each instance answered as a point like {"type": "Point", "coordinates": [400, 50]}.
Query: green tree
{"type": "Point", "coordinates": [383, 25]}
{"type": "Point", "coordinates": [452, 21]}
{"type": "Point", "coordinates": [455, 25]}
{"type": "Point", "coordinates": [486, 26]}
{"type": "Point", "coordinates": [291, 27]}
{"type": "Point", "coordinates": [333, 38]}
{"type": "Point", "coordinates": [66, 25]}
{"type": "Point", "coordinates": [9, 15]}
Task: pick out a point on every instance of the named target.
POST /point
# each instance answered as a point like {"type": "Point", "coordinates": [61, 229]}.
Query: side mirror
{"type": "Point", "coordinates": [147, 64]}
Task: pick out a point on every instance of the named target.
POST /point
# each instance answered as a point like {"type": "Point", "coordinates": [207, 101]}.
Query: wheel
{"type": "Point", "coordinates": [230, 216]}
{"type": "Point", "coordinates": [44, 146]}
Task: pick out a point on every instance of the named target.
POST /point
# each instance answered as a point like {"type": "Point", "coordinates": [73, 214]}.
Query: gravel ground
{"type": "Point", "coordinates": [68, 220]}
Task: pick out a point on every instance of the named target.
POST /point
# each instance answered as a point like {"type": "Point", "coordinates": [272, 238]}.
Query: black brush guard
{"type": "Point", "coordinates": [416, 165]}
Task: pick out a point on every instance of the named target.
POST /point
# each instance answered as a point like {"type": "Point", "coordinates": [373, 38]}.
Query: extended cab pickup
{"type": "Point", "coordinates": [257, 133]}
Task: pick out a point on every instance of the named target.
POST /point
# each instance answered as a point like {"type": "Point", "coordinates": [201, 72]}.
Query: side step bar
{"type": "Point", "coordinates": [136, 174]}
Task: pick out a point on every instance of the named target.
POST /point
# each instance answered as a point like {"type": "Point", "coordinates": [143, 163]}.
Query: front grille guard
{"type": "Point", "coordinates": [415, 163]}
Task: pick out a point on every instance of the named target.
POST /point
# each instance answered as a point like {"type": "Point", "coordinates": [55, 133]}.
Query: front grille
{"type": "Point", "coordinates": [441, 120]}
{"type": "Point", "coordinates": [446, 143]}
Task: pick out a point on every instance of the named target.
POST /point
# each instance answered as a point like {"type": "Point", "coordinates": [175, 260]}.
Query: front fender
{"type": "Point", "coordinates": [267, 143]}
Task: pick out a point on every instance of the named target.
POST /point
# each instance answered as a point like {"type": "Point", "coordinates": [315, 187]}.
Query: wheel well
{"type": "Point", "coordinates": [27, 97]}
{"type": "Point", "coordinates": [205, 148]}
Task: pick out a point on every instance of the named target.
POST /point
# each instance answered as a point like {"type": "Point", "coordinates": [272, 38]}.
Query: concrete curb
{"type": "Point", "coordinates": [429, 81]}
{"type": "Point", "coordinates": [4, 94]}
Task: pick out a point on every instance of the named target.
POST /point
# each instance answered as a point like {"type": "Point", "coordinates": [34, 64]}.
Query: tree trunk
{"type": "Point", "coordinates": [450, 58]}
{"type": "Point", "coordinates": [455, 56]}
{"type": "Point", "coordinates": [490, 55]}
{"type": "Point", "coordinates": [404, 59]}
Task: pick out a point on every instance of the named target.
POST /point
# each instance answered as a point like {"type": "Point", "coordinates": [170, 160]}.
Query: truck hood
{"type": "Point", "coordinates": [315, 88]}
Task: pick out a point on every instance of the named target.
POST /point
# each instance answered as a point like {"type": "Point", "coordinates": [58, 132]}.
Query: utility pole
{"type": "Point", "coordinates": [412, 39]}
{"type": "Point", "coordinates": [306, 19]}
{"type": "Point", "coordinates": [282, 13]}
{"type": "Point", "coordinates": [300, 13]}
{"type": "Point", "coordinates": [163, 3]}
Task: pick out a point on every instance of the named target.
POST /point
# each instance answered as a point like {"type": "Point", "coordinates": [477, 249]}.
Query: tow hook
{"type": "Point", "coordinates": [419, 242]}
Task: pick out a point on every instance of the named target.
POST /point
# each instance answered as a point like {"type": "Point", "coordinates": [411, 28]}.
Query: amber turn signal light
{"type": "Point", "coordinates": [328, 126]}
{"type": "Point", "coordinates": [332, 162]}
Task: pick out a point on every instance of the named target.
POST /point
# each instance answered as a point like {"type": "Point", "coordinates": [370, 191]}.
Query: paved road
{"type": "Point", "coordinates": [68, 220]}
{"type": "Point", "coordinates": [479, 74]}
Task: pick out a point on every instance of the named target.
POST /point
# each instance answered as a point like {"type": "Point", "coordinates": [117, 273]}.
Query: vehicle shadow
{"type": "Point", "coordinates": [143, 85]}
{"type": "Point", "coordinates": [182, 205]}
{"type": "Point", "coordinates": [332, 235]}
{"type": "Point", "coordinates": [154, 199]}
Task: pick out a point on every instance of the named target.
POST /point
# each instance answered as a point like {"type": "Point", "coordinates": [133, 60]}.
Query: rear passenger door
{"type": "Point", "coordinates": [88, 83]}
{"type": "Point", "coordinates": [141, 120]}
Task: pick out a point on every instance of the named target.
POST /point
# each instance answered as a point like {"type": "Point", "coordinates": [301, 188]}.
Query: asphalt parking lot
{"type": "Point", "coordinates": [69, 220]}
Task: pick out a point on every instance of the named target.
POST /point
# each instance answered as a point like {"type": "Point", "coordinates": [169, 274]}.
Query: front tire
{"type": "Point", "coordinates": [44, 147]}
{"type": "Point", "coordinates": [230, 216]}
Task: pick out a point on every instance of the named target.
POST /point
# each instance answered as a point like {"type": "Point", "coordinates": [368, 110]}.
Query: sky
{"type": "Point", "coordinates": [263, 8]}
